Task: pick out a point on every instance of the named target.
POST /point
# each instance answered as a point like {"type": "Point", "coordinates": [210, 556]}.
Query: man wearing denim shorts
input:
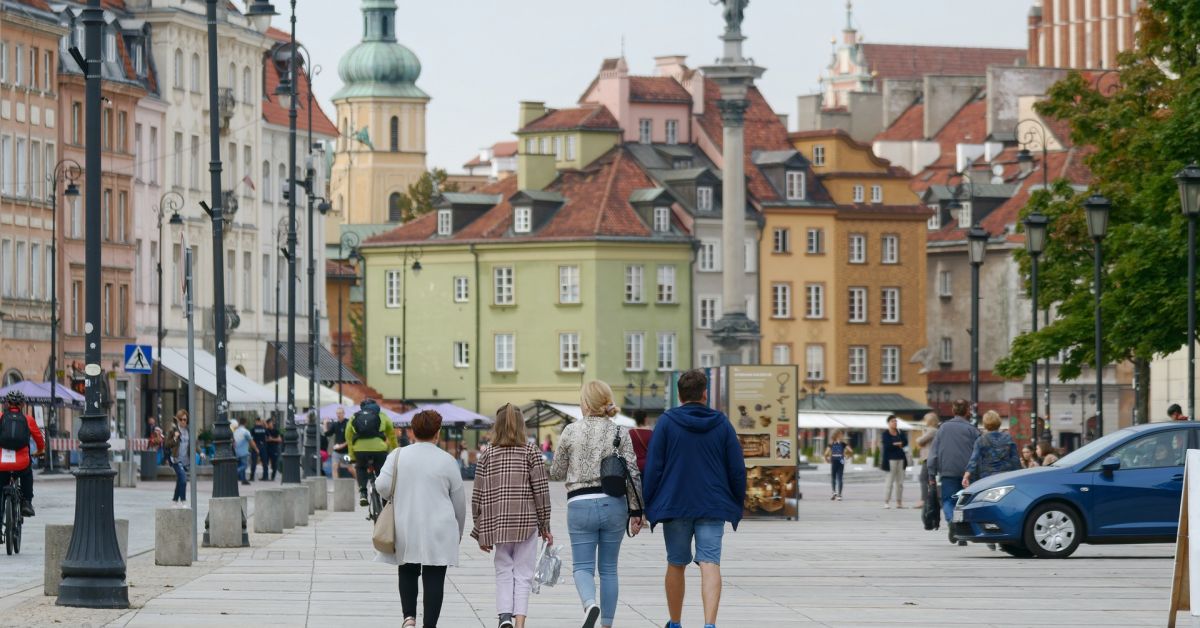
{"type": "Point", "coordinates": [695, 481]}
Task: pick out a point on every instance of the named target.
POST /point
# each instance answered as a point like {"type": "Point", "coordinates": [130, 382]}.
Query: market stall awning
{"type": "Point", "coordinates": [38, 394]}
{"type": "Point", "coordinates": [549, 413]}
{"type": "Point", "coordinates": [866, 421]}
{"type": "Point", "coordinates": [241, 392]}
{"type": "Point", "coordinates": [808, 420]}
{"type": "Point", "coordinates": [889, 403]}
{"type": "Point", "coordinates": [451, 415]}
{"type": "Point", "coordinates": [324, 393]}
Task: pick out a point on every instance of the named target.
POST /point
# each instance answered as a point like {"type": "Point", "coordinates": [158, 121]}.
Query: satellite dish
{"type": "Point", "coordinates": [997, 170]}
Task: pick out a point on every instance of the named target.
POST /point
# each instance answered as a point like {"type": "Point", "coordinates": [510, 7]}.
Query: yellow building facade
{"type": "Point", "coordinates": [851, 172]}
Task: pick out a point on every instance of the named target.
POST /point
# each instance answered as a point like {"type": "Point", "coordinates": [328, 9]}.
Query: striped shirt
{"type": "Point", "coordinates": [511, 498]}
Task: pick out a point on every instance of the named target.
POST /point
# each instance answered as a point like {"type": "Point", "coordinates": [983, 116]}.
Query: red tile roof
{"type": "Point", "coordinates": [593, 117]}
{"type": "Point", "coordinates": [909, 126]}
{"type": "Point", "coordinates": [653, 89]}
{"type": "Point", "coordinates": [968, 126]}
{"type": "Point", "coordinates": [898, 61]}
{"type": "Point", "coordinates": [763, 131]}
{"type": "Point", "coordinates": [504, 149]}
{"type": "Point", "coordinates": [37, 4]}
{"type": "Point", "coordinates": [275, 113]}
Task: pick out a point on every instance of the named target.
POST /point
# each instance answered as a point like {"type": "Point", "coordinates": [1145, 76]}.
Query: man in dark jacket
{"type": "Point", "coordinates": [949, 455]}
{"type": "Point", "coordinates": [695, 481]}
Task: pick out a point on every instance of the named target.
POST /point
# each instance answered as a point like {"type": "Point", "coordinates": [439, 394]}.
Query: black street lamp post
{"type": "Point", "coordinates": [350, 240]}
{"type": "Point", "coordinates": [291, 448]}
{"type": "Point", "coordinates": [816, 393]}
{"type": "Point", "coordinates": [1036, 133]}
{"type": "Point", "coordinates": [70, 171]}
{"type": "Point", "coordinates": [94, 568]}
{"type": "Point", "coordinates": [1189, 196]}
{"type": "Point", "coordinates": [280, 233]}
{"type": "Point", "coordinates": [172, 202]}
{"type": "Point", "coordinates": [1098, 209]}
{"type": "Point", "coordinates": [1035, 243]}
{"type": "Point", "coordinates": [977, 240]}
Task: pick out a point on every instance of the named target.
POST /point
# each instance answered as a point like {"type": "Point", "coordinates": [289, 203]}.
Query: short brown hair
{"type": "Point", "coordinates": [961, 407]}
{"type": "Point", "coordinates": [692, 385]}
{"type": "Point", "coordinates": [509, 430]}
{"type": "Point", "coordinates": [426, 424]}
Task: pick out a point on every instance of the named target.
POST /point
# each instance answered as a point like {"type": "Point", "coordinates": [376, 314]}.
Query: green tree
{"type": "Point", "coordinates": [1139, 126]}
{"type": "Point", "coordinates": [418, 200]}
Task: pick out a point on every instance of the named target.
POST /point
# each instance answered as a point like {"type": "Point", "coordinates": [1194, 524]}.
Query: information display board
{"type": "Point", "coordinates": [761, 404]}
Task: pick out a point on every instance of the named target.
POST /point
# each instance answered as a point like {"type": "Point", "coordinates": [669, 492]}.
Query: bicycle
{"type": "Point", "coordinates": [375, 502]}
{"type": "Point", "coordinates": [10, 505]}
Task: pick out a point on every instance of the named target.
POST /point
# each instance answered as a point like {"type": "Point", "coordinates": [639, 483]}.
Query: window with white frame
{"type": "Point", "coordinates": [858, 305]}
{"type": "Point", "coordinates": [522, 219]}
{"type": "Point", "coordinates": [462, 289]}
{"type": "Point", "coordinates": [707, 359]}
{"type": "Point", "coordinates": [634, 291]}
{"type": "Point", "coordinates": [666, 284]}
{"type": "Point", "coordinates": [781, 354]}
{"type": "Point", "coordinates": [445, 222]}
{"type": "Point", "coordinates": [506, 352]}
{"type": "Point", "coordinates": [891, 249]}
{"type": "Point", "coordinates": [531, 146]}
{"type": "Point", "coordinates": [891, 305]}
{"type": "Point", "coordinates": [814, 300]}
{"type": "Point", "coordinates": [781, 300]}
{"type": "Point", "coordinates": [666, 350]}
{"type": "Point", "coordinates": [890, 365]}
{"type": "Point", "coordinates": [814, 363]}
{"type": "Point", "coordinates": [462, 355]}
{"type": "Point", "coordinates": [819, 155]}
{"type": "Point", "coordinates": [858, 194]}
{"type": "Point", "coordinates": [672, 131]}
{"type": "Point", "coordinates": [4, 61]}
{"type": "Point", "coordinates": [635, 350]}
{"type": "Point", "coordinates": [392, 354]}
{"type": "Point", "coordinates": [502, 284]}
{"type": "Point", "coordinates": [558, 147]}
{"type": "Point", "coordinates": [391, 288]}
{"type": "Point", "coordinates": [568, 284]}
{"type": "Point", "coordinates": [858, 248]}
{"type": "Point", "coordinates": [935, 218]}
{"type": "Point", "coordinates": [570, 147]}
{"type": "Point", "coordinates": [752, 307]}
{"type": "Point", "coordinates": [709, 256]}
{"type": "Point", "coordinates": [816, 241]}
{"type": "Point", "coordinates": [568, 351]}
{"type": "Point", "coordinates": [966, 215]}
{"type": "Point", "coordinates": [750, 255]}
{"type": "Point", "coordinates": [795, 185]}
{"type": "Point", "coordinates": [704, 198]}
{"type": "Point", "coordinates": [781, 240]}
{"type": "Point", "coordinates": [945, 283]}
{"type": "Point", "coordinates": [545, 148]}
{"type": "Point", "coordinates": [645, 128]}
{"type": "Point", "coordinates": [6, 260]}
{"type": "Point", "coordinates": [858, 365]}
{"type": "Point", "coordinates": [662, 219]}
{"type": "Point", "coordinates": [876, 193]}
{"type": "Point", "coordinates": [708, 311]}
{"type": "Point", "coordinates": [946, 350]}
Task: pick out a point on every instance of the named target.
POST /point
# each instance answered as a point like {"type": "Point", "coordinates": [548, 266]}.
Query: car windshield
{"type": "Point", "coordinates": [1091, 449]}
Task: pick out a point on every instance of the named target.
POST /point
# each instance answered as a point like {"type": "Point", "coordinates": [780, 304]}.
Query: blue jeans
{"type": "Point", "coordinates": [180, 481]}
{"type": "Point", "coordinates": [950, 486]}
{"type": "Point", "coordinates": [836, 477]}
{"type": "Point", "coordinates": [678, 535]}
{"type": "Point", "coordinates": [243, 464]}
{"type": "Point", "coordinates": [597, 527]}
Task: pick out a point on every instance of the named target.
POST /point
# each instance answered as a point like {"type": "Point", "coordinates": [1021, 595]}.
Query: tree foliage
{"type": "Point", "coordinates": [1138, 126]}
{"type": "Point", "coordinates": [418, 200]}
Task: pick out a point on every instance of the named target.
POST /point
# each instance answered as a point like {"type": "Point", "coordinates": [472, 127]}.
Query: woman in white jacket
{"type": "Point", "coordinates": [430, 512]}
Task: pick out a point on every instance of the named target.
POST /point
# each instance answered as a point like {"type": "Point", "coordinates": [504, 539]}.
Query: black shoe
{"type": "Point", "coordinates": [950, 533]}
{"type": "Point", "coordinates": [26, 508]}
{"type": "Point", "coordinates": [362, 499]}
{"type": "Point", "coordinates": [506, 620]}
{"type": "Point", "coordinates": [593, 614]}
{"type": "Point", "coordinates": [962, 543]}
{"type": "Point", "coordinates": [245, 483]}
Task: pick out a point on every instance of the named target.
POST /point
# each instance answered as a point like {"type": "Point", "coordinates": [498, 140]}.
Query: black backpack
{"type": "Point", "coordinates": [14, 430]}
{"type": "Point", "coordinates": [614, 475]}
{"type": "Point", "coordinates": [367, 425]}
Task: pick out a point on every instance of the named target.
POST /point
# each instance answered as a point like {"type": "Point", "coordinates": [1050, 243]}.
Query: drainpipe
{"type": "Point", "coordinates": [478, 300]}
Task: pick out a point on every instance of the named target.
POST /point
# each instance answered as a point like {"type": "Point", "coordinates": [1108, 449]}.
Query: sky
{"type": "Point", "coordinates": [481, 57]}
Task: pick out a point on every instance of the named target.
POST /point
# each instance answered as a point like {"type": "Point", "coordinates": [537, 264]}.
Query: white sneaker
{"type": "Point", "coordinates": [886, 505]}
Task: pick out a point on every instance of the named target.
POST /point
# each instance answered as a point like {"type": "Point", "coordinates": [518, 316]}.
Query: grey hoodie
{"type": "Point", "coordinates": [952, 448]}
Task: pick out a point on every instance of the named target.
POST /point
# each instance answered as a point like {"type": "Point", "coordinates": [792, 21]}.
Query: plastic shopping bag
{"type": "Point", "coordinates": [549, 567]}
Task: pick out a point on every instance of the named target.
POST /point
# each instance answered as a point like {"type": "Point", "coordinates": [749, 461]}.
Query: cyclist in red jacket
{"type": "Point", "coordinates": [19, 461]}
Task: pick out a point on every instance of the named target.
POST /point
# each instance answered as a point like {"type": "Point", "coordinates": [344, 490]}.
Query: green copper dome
{"type": "Point", "coordinates": [379, 66]}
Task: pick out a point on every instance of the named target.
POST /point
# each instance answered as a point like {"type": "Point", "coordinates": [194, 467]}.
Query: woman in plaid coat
{"type": "Point", "coordinates": [511, 509]}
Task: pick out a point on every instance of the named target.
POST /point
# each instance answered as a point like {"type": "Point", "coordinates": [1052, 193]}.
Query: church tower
{"type": "Point", "coordinates": [381, 124]}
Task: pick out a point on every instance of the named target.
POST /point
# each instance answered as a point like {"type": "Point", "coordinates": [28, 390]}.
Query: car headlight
{"type": "Point", "coordinates": [993, 495]}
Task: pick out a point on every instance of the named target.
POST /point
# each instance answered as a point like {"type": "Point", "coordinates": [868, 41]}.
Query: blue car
{"type": "Point", "coordinates": [1122, 488]}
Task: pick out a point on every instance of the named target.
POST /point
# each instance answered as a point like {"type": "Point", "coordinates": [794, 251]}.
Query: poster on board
{"type": "Point", "coordinates": [761, 402]}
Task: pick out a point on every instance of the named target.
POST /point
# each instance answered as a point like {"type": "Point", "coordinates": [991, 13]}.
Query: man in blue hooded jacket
{"type": "Point", "coordinates": [695, 481]}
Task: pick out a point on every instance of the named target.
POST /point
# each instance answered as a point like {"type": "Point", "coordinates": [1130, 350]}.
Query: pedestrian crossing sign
{"type": "Point", "coordinates": [137, 359]}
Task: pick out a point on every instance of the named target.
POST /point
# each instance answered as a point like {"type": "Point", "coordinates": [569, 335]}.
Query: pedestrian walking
{"type": "Point", "coordinates": [1046, 453]}
{"type": "Point", "coordinates": [894, 461]}
{"type": "Point", "coordinates": [994, 452]}
{"type": "Point", "coordinates": [838, 454]}
{"type": "Point", "coordinates": [243, 444]}
{"type": "Point", "coordinates": [925, 442]}
{"type": "Point", "coordinates": [548, 449]}
{"type": "Point", "coordinates": [259, 454]}
{"type": "Point", "coordinates": [1029, 457]}
{"type": "Point", "coordinates": [597, 520]}
{"type": "Point", "coordinates": [274, 445]}
{"type": "Point", "coordinates": [640, 436]}
{"type": "Point", "coordinates": [695, 482]}
{"type": "Point", "coordinates": [430, 511]}
{"type": "Point", "coordinates": [952, 447]}
{"type": "Point", "coordinates": [510, 506]}
{"type": "Point", "coordinates": [337, 433]}
{"type": "Point", "coordinates": [177, 448]}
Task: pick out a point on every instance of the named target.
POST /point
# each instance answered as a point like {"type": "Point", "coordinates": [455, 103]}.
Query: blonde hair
{"type": "Point", "coordinates": [596, 399]}
{"type": "Point", "coordinates": [991, 420]}
{"type": "Point", "coordinates": [931, 419]}
{"type": "Point", "coordinates": [509, 430]}
{"type": "Point", "coordinates": [835, 436]}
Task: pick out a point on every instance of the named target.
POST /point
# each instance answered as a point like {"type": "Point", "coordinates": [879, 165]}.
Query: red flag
{"type": "Point", "coordinates": [246, 179]}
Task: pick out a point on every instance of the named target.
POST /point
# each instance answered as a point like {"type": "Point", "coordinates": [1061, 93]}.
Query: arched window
{"type": "Point", "coordinates": [195, 70]}
{"type": "Point", "coordinates": [394, 134]}
{"type": "Point", "coordinates": [394, 214]}
{"type": "Point", "coordinates": [282, 184]}
{"type": "Point", "coordinates": [247, 89]}
{"type": "Point", "coordinates": [268, 191]}
{"type": "Point", "coordinates": [178, 69]}
{"type": "Point", "coordinates": [13, 376]}
{"type": "Point", "coordinates": [233, 80]}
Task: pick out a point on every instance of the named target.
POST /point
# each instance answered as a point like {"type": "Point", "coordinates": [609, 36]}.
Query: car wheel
{"type": "Point", "coordinates": [1053, 530]}
{"type": "Point", "coordinates": [1016, 550]}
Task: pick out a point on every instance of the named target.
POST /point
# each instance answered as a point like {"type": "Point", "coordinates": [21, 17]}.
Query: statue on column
{"type": "Point", "coordinates": [735, 12]}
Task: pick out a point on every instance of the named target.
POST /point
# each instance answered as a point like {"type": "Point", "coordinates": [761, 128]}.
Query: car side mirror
{"type": "Point", "coordinates": [1110, 464]}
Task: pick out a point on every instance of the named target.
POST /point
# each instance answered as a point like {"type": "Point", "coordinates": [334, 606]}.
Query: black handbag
{"type": "Point", "coordinates": [614, 475]}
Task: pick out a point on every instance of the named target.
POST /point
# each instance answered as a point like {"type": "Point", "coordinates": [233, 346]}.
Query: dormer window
{"type": "Point", "coordinates": [795, 186]}
{"type": "Point", "coordinates": [704, 198]}
{"type": "Point", "coordinates": [662, 219]}
{"type": "Point", "coordinates": [445, 224]}
{"type": "Point", "coordinates": [681, 164]}
{"type": "Point", "coordinates": [645, 128]}
{"type": "Point", "coordinates": [522, 219]}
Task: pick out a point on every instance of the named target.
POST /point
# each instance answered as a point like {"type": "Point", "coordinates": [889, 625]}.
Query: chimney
{"type": "Point", "coordinates": [670, 65]}
{"type": "Point", "coordinates": [783, 119]}
{"type": "Point", "coordinates": [530, 110]}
